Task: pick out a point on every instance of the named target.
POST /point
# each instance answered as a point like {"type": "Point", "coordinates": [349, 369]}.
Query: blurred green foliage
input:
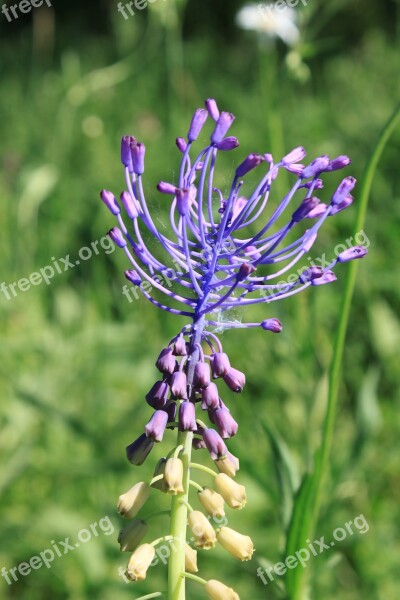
{"type": "Point", "coordinates": [76, 357]}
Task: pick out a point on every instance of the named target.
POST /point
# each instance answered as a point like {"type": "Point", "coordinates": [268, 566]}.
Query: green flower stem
{"type": "Point", "coordinates": [188, 506]}
{"type": "Point", "coordinates": [155, 479]}
{"type": "Point", "coordinates": [203, 468]}
{"type": "Point", "coordinates": [179, 506]}
{"type": "Point", "coordinates": [195, 578]}
{"type": "Point", "coordinates": [196, 485]}
{"type": "Point", "coordinates": [149, 596]}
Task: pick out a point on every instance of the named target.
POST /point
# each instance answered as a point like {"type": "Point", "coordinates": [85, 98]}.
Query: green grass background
{"type": "Point", "coordinates": [76, 358]}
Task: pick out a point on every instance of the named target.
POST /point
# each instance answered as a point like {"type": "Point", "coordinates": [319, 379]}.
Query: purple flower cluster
{"type": "Point", "coordinates": [174, 399]}
{"type": "Point", "coordinates": [213, 264]}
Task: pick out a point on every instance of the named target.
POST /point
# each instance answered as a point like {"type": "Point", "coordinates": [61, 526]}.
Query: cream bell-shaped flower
{"type": "Point", "coordinates": [139, 562]}
{"type": "Point", "coordinates": [233, 493]}
{"type": "Point", "coordinates": [130, 537]}
{"type": "Point", "coordinates": [218, 591]}
{"type": "Point", "coordinates": [190, 559]}
{"type": "Point", "coordinates": [228, 465]}
{"type": "Point", "coordinates": [173, 476]}
{"type": "Point", "coordinates": [203, 531]}
{"type": "Point", "coordinates": [132, 501]}
{"type": "Point", "coordinates": [240, 546]}
{"type": "Point", "coordinates": [212, 502]}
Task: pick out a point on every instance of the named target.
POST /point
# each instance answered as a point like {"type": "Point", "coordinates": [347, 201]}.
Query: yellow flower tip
{"type": "Point", "coordinates": [130, 537]}
{"type": "Point", "coordinates": [190, 559]}
{"type": "Point", "coordinates": [240, 546]}
{"type": "Point", "coordinates": [139, 562]}
{"type": "Point", "coordinates": [218, 591]}
{"type": "Point", "coordinates": [203, 531]}
{"type": "Point", "coordinates": [173, 476]}
{"type": "Point", "coordinates": [233, 493]}
{"type": "Point", "coordinates": [212, 502]}
{"type": "Point", "coordinates": [132, 501]}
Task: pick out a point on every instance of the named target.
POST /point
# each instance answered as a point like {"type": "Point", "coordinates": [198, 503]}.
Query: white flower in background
{"type": "Point", "coordinates": [272, 20]}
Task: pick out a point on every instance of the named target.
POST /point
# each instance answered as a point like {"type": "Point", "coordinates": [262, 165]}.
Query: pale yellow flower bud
{"type": "Point", "coordinates": [240, 546]}
{"type": "Point", "coordinates": [130, 537]}
{"type": "Point", "coordinates": [132, 501]}
{"type": "Point", "coordinates": [233, 493]}
{"type": "Point", "coordinates": [140, 561]}
{"type": "Point", "coordinates": [202, 530]}
{"type": "Point", "coordinates": [190, 559]}
{"type": "Point", "coordinates": [213, 503]}
{"type": "Point", "coordinates": [218, 591]}
{"type": "Point", "coordinates": [173, 476]}
{"type": "Point", "coordinates": [228, 465]}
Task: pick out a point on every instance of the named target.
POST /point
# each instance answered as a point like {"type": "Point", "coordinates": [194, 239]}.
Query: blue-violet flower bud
{"type": "Point", "coordinates": [225, 423]}
{"type": "Point", "coordinates": [138, 451]}
{"type": "Point", "coordinates": [116, 235]}
{"type": "Point", "coordinates": [215, 444]}
{"type": "Point", "coordinates": [235, 380]}
{"type": "Point", "coordinates": [352, 254]}
{"type": "Point", "coordinates": [110, 201]}
{"type": "Point", "coordinates": [179, 384]}
{"type": "Point", "coordinates": [222, 126]}
{"type": "Point", "coordinates": [198, 120]}
{"type": "Point", "coordinates": [187, 416]}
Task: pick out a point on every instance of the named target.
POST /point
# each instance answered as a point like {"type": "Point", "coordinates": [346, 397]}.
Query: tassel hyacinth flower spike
{"type": "Point", "coordinates": [227, 249]}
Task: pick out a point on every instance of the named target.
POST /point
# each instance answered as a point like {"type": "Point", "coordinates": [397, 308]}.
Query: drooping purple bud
{"type": "Point", "coordinates": [318, 211]}
{"type": "Point", "coordinates": [183, 201]}
{"type": "Point", "coordinates": [249, 163]}
{"type": "Point", "coordinates": [229, 143]}
{"type": "Point", "coordinates": [339, 163]}
{"type": "Point", "coordinates": [345, 203]}
{"type": "Point", "coordinates": [198, 120]}
{"type": "Point", "coordinates": [116, 235]}
{"type": "Point", "coordinates": [110, 201]}
{"type": "Point", "coordinates": [210, 397]}
{"type": "Point", "coordinates": [171, 411]}
{"type": "Point", "coordinates": [245, 270]}
{"type": "Point", "coordinates": [225, 423]}
{"type": "Point", "coordinates": [317, 166]}
{"type": "Point", "coordinates": [133, 277]}
{"type": "Point", "coordinates": [294, 156]}
{"type": "Point", "coordinates": [305, 207]}
{"type": "Point", "coordinates": [220, 364]}
{"type": "Point", "coordinates": [180, 347]}
{"type": "Point", "coordinates": [222, 126]}
{"type": "Point", "coordinates": [138, 154]}
{"type": "Point", "coordinates": [129, 205]}
{"type": "Point", "coordinates": [310, 274]}
{"type": "Point", "coordinates": [157, 396]}
{"type": "Point", "coordinates": [179, 384]}
{"type": "Point", "coordinates": [273, 325]}
{"type": "Point", "coordinates": [201, 377]}
{"type": "Point", "coordinates": [187, 417]}
{"type": "Point", "coordinates": [235, 380]}
{"type": "Point", "coordinates": [126, 156]}
{"type": "Point", "coordinates": [212, 109]}
{"type": "Point", "coordinates": [156, 426]}
{"type": "Point", "coordinates": [166, 362]}
{"type": "Point", "coordinates": [343, 190]}
{"type": "Point", "coordinates": [182, 145]}
{"type": "Point", "coordinates": [352, 254]}
{"type": "Point", "coordinates": [327, 277]}
{"type": "Point", "coordinates": [138, 451]}
{"type": "Point", "coordinates": [214, 444]}
{"type": "Point", "coordinates": [166, 188]}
